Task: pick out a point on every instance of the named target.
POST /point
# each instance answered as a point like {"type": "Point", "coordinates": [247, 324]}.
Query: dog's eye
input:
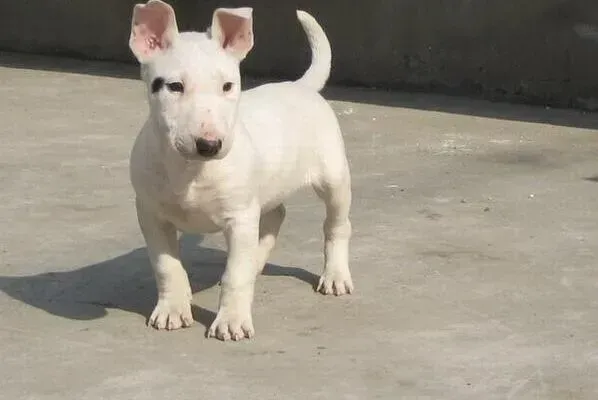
{"type": "Point", "coordinates": [176, 87]}
{"type": "Point", "coordinates": [157, 84]}
{"type": "Point", "coordinates": [227, 87]}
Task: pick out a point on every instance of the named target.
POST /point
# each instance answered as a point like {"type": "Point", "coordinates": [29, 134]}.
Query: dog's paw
{"type": "Point", "coordinates": [232, 324]}
{"type": "Point", "coordinates": [171, 314]}
{"type": "Point", "coordinates": [335, 281]}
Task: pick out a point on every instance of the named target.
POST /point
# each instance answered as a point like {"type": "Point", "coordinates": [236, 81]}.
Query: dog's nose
{"type": "Point", "coordinates": [208, 148]}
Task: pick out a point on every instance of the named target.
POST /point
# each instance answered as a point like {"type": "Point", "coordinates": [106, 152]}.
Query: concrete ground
{"type": "Point", "coordinates": [474, 256]}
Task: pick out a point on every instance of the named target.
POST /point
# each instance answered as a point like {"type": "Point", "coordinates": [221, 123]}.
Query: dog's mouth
{"type": "Point", "coordinates": [185, 148]}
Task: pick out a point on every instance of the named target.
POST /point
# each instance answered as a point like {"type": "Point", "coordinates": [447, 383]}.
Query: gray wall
{"type": "Point", "coordinates": [520, 50]}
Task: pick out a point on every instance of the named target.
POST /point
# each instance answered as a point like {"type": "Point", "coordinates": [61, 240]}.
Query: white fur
{"type": "Point", "coordinates": [276, 139]}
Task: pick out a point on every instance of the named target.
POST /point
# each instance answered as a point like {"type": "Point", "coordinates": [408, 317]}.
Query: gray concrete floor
{"type": "Point", "coordinates": [474, 256]}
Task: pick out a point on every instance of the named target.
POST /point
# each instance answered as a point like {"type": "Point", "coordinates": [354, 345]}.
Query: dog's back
{"type": "Point", "coordinates": [292, 127]}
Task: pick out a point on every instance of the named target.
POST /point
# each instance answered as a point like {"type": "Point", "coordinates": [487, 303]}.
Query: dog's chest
{"type": "Point", "coordinates": [180, 197]}
{"type": "Point", "coordinates": [194, 208]}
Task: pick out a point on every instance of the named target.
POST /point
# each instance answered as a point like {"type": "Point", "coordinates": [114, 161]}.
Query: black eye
{"type": "Point", "coordinates": [227, 87]}
{"type": "Point", "coordinates": [176, 87]}
{"type": "Point", "coordinates": [157, 84]}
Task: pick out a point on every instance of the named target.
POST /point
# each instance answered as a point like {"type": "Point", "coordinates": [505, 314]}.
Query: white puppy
{"type": "Point", "coordinates": [212, 158]}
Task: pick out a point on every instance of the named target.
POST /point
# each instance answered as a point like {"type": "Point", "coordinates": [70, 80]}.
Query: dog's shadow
{"type": "Point", "coordinates": [126, 283]}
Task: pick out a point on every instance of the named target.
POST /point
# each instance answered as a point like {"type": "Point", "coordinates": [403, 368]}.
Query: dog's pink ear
{"type": "Point", "coordinates": [232, 28]}
{"type": "Point", "coordinates": [153, 29]}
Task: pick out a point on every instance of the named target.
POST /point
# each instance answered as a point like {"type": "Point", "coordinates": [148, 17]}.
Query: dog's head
{"type": "Point", "coordinates": [193, 80]}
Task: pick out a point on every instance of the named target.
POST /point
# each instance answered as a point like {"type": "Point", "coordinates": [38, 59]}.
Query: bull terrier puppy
{"type": "Point", "coordinates": [212, 158]}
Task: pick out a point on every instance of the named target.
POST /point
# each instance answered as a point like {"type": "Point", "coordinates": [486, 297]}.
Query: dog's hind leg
{"type": "Point", "coordinates": [336, 194]}
{"type": "Point", "coordinates": [270, 223]}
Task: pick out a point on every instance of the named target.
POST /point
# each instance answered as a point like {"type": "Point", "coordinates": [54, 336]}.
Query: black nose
{"type": "Point", "coordinates": [208, 148]}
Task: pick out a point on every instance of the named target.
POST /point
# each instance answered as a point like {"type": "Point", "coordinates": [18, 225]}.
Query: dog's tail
{"type": "Point", "coordinates": [321, 54]}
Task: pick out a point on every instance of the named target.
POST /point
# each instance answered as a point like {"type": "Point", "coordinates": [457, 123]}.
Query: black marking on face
{"type": "Point", "coordinates": [157, 84]}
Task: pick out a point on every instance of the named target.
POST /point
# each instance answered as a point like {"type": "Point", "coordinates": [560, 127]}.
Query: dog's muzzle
{"type": "Point", "coordinates": [208, 148]}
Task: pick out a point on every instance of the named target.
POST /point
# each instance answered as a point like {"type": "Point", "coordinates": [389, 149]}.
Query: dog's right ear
{"type": "Point", "coordinates": [232, 29]}
{"type": "Point", "coordinates": [153, 29]}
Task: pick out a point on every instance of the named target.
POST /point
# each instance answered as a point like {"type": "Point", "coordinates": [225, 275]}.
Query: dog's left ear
{"type": "Point", "coordinates": [232, 28]}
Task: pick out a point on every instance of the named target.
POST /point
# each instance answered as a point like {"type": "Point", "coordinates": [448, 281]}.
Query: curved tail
{"type": "Point", "coordinates": [321, 55]}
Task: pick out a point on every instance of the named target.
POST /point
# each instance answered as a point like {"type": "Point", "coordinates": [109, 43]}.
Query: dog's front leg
{"type": "Point", "coordinates": [234, 320]}
{"type": "Point", "coordinates": [173, 309]}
